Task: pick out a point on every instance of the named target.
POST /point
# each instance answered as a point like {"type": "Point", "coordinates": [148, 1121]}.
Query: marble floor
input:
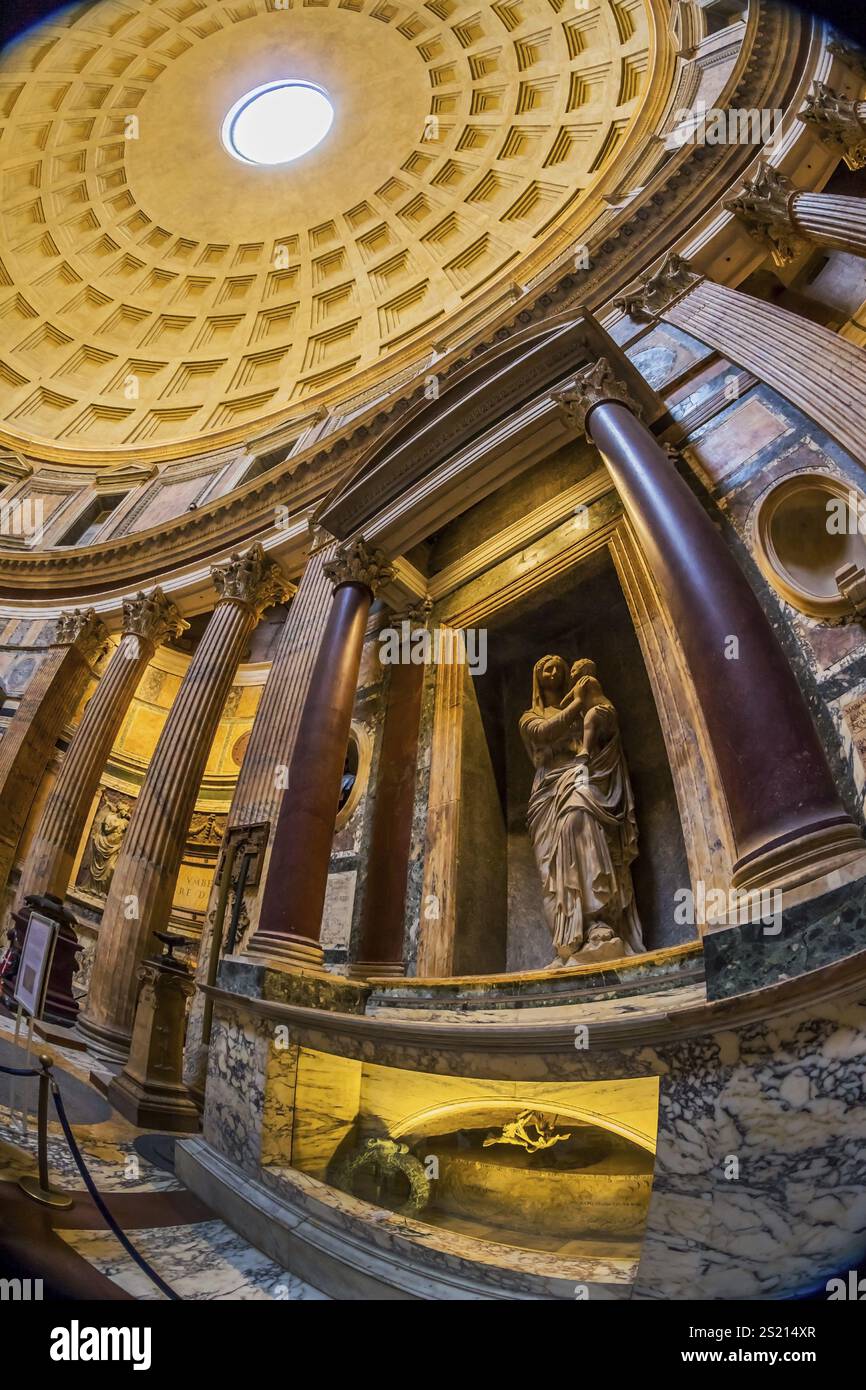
{"type": "Point", "coordinates": [195, 1253]}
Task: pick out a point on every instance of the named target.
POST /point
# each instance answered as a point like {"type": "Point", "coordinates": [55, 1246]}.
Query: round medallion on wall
{"type": "Point", "coordinates": [807, 530]}
{"type": "Point", "coordinates": [239, 748]}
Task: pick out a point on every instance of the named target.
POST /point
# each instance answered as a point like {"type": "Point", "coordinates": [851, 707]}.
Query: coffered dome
{"type": "Point", "coordinates": [157, 292]}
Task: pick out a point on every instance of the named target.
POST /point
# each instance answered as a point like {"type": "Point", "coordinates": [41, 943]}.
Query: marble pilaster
{"type": "Point", "coordinates": [49, 702]}
{"type": "Point", "coordinates": [139, 900]}
{"type": "Point", "coordinates": [439, 892]}
{"type": "Point", "coordinates": [147, 621]}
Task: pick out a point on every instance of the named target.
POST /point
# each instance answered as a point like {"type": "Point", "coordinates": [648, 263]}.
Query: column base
{"type": "Point", "coordinates": [150, 1106]}
{"type": "Point", "coordinates": [795, 859]}
{"type": "Point", "coordinates": [286, 952]}
{"type": "Point", "coordinates": [376, 969]}
{"type": "Point", "coordinates": [108, 1044]}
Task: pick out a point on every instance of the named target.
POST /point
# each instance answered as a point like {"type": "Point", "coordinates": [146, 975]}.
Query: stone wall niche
{"type": "Point", "coordinates": [810, 544]}
{"type": "Point", "coordinates": [481, 908]}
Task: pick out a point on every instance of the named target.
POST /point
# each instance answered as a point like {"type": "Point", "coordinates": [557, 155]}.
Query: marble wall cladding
{"type": "Point", "coordinates": [23, 645]}
{"type": "Point", "coordinates": [665, 353]}
{"type": "Point", "coordinates": [278, 1115]}
{"type": "Point", "coordinates": [748, 446]}
{"type": "Point", "coordinates": [760, 1175]}
{"type": "Point", "coordinates": [760, 1179]}
{"type": "Point", "coordinates": [679, 967]}
{"type": "Point", "coordinates": [327, 1105]}
{"type": "Point", "coordinates": [415, 874]}
{"type": "Point", "coordinates": [331, 1237]}
{"type": "Point", "coordinates": [332, 992]}
{"type": "Point", "coordinates": [741, 958]}
{"type": "Point", "coordinates": [238, 1068]}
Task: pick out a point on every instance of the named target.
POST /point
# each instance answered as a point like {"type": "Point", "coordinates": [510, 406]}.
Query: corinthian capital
{"type": "Point", "coordinates": [836, 120]}
{"type": "Point", "coordinates": [84, 629]}
{"type": "Point", "coordinates": [764, 205]}
{"type": "Point", "coordinates": [589, 388]}
{"type": "Point", "coordinates": [358, 564]}
{"type": "Point", "coordinates": [253, 579]}
{"type": "Point", "coordinates": [655, 293]}
{"type": "Point", "coordinates": [848, 53]}
{"type": "Point", "coordinates": [152, 617]}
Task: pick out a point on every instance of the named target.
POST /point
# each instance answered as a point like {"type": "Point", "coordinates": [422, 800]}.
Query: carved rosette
{"type": "Point", "coordinates": [837, 121]}
{"type": "Point", "coordinates": [764, 205]}
{"type": "Point", "coordinates": [359, 564]}
{"type": "Point", "coordinates": [655, 293]}
{"type": "Point", "coordinates": [589, 388]}
{"type": "Point", "coordinates": [252, 579]}
{"type": "Point", "coordinates": [84, 629]}
{"type": "Point", "coordinates": [152, 617]}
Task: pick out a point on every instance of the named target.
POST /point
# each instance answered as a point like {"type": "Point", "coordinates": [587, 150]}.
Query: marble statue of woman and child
{"type": "Point", "coordinates": [581, 815]}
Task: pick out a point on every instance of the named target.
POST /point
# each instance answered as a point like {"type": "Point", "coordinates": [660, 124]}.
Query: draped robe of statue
{"type": "Point", "coordinates": [581, 815]}
{"type": "Point", "coordinates": [105, 841]}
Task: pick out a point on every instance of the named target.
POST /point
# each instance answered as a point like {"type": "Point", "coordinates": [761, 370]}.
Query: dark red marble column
{"type": "Point", "coordinates": [380, 948]}
{"type": "Point", "coordinates": [787, 819]}
{"type": "Point", "coordinates": [297, 876]}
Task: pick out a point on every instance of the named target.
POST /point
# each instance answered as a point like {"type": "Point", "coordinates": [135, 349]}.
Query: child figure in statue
{"type": "Point", "coordinates": [581, 814]}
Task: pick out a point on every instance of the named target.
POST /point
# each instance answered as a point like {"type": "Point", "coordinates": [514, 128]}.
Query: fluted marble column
{"type": "Point", "coordinates": [148, 620]}
{"type": "Point", "coordinates": [259, 788]}
{"type": "Point", "coordinates": [294, 894]}
{"type": "Point", "coordinates": [788, 221]}
{"type": "Point", "coordinates": [142, 887]}
{"type": "Point", "coordinates": [48, 703]}
{"type": "Point", "coordinates": [787, 820]}
{"type": "Point", "coordinates": [838, 121]}
{"type": "Point", "coordinates": [815, 369]}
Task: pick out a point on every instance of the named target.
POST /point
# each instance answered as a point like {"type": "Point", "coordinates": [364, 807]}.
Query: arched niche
{"type": "Point", "coordinates": [807, 528]}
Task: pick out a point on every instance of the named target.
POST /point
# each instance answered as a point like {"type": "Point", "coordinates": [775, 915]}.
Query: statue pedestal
{"type": "Point", "coordinates": [600, 951]}
{"type": "Point", "coordinates": [150, 1090]}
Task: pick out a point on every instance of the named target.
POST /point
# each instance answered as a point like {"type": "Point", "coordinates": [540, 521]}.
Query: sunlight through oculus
{"type": "Point", "coordinates": [277, 123]}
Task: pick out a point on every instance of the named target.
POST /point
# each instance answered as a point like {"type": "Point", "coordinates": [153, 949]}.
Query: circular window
{"type": "Point", "coordinates": [808, 527]}
{"type": "Point", "coordinates": [278, 122]}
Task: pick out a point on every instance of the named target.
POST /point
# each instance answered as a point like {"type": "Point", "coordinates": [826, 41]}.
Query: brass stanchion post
{"type": "Point", "coordinates": [39, 1188]}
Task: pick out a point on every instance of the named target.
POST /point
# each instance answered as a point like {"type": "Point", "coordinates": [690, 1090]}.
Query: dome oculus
{"type": "Point", "coordinates": [277, 123]}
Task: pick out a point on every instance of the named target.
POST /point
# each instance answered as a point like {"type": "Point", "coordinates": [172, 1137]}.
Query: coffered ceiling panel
{"type": "Point", "coordinates": [156, 293]}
